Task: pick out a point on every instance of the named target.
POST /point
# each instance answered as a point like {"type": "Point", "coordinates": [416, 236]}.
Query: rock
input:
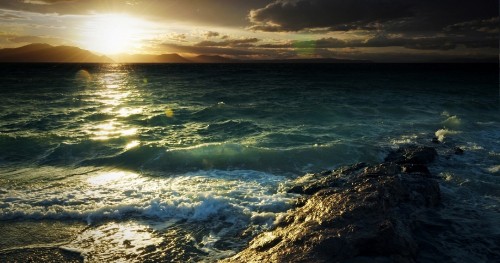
{"type": "Point", "coordinates": [412, 155]}
{"type": "Point", "coordinates": [40, 254]}
{"type": "Point", "coordinates": [312, 183]}
{"type": "Point", "coordinates": [416, 168]}
{"type": "Point", "coordinates": [459, 151]}
{"type": "Point", "coordinates": [357, 213]}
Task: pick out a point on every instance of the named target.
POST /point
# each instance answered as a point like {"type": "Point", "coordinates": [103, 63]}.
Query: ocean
{"type": "Point", "coordinates": [187, 162]}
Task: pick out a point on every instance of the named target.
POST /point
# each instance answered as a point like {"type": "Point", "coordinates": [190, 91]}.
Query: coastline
{"type": "Point", "coordinates": [387, 212]}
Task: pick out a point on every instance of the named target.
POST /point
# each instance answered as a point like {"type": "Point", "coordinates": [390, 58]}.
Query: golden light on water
{"type": "Point", "coordinates": [112, 130]}
{"type": "Point", "coordinates": [83, 75]}
{"type": "Point", "coordinates": [125, 112]}
{"type": "Point", "coordinates": [112, 93]}
{"type": "Point", "coordinates": [132, 144]}
{"type": "Point", "coordinates": [169, 113]}
{"type": "Point", "coordinates": [107, 178]}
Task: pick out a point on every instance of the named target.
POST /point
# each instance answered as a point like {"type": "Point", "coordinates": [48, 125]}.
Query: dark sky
{"type": "Point", "coordinates": [382, 30]}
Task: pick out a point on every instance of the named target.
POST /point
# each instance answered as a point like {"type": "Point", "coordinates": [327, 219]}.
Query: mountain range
{"type": "Point", "coordinates": [40, 53]}
{"type": "Point", "coordinates": [48, 53]}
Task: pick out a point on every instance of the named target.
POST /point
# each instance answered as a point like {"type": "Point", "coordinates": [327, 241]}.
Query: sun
{"type": "Point", "coordinates": [113, 33]}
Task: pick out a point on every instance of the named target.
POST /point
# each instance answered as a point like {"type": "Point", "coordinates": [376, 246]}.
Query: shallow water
{"type": "Point", "coordinates": [188, 162]}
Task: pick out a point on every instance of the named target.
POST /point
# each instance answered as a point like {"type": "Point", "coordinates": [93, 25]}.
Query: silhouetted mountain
{"type": "Point", "coordinates": [145, 58]}
{"type": "Point", "coordinates": [213, 59]}
{"type": "Point", "coordinates": [68, 54]}
{"type": "Point", "coordinates": [466, 60]}
{"type": "Point", "coordinates": [312, 60]}
{"type": "Point", "coordinates": [48, 53]}
{"type": "Point", "coordinates": [172, 58]}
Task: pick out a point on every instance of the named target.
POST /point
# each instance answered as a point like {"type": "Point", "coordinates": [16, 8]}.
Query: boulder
{"type": "Point", "coordinates": [357, 213]}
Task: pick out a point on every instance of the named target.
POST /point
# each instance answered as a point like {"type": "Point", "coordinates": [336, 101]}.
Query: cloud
{"type": "Point", "coordinates": [28, 39]}
{"type": "Point", "coordinates": [232, 13]}
{"type": "Point", "coordinates": [179, 37]}
{"type": "Point", "coordinates": [45, 2]}
{"type": "Point", "coordinates": [481, 25]}
{"type": "Point", "coordinates": [295, 15]}
{"type": "Point", "coordinates": [395, 15]}
{"type": "Point", "coordinates": [211, 34]}
{"type": "Point", "coordinates": [242, 42]}
{"type": "Point", "coordinates": [208, 50]}
{"type": "Point", "coordinates": [10, 17]}
{"type": "Point", "coordinates": [381, 41]}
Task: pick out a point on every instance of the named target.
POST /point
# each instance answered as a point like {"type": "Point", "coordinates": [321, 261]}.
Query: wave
{"type": "Point", "coordinates": [293, 154]}
{"type": "Point", "coordinates": [227, 195]}
{"type": "Point", "coordinates": [230, 129]}
{"type": "Point", "coordinates": [19, 149]}
{"type": "Point", "coordinates": [238, 156]}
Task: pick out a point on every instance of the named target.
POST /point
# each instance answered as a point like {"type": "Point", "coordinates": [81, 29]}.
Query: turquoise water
{"type": "Point", "coordinates": [187, 162]}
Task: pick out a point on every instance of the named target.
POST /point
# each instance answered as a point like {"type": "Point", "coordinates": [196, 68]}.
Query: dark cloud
{"type": "Point", "coordinates": [402, 15]}
{"type": "Point", "coordinates": [211, 34]}
{"type": "Point", "coordinates": [243, 42]}
{"type": "Point", "coordinates": [210, 50]}
{"type": "Point", "coordinates": [177, 37]}
{"type": "Point", "coordinates": [379, 41]}
{"type": "Point", "coordinates": [428, 43]}
{"type": "Point", "coordinates": [441, 25]}
{"type": "Point", "coordinates": [294, 15]}
{"type": "Point", "coordinates": [482, 25]}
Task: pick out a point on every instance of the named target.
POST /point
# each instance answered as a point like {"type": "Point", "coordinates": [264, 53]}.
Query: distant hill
{"type": "Point", "coordinates": [48, 53]}
{"type": "Point", "coordinates": [312, 61]}
{"type": "Point", "coordinates": [145, 58]}
{"type": "Point", "coordinates": [213, 59]}
{"type": "Point", "coordinates": [170, 58]}
{"type": "Point", "coordinates": [68, 54]}
{"type": "Point", "coordinates": [467, 60]}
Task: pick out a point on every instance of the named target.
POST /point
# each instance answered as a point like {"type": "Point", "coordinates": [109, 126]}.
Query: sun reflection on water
{"type": "Point", "coordinates": [125, 112]}
{"type": "Point", "coordinates": [111, 92]}
{"type": "Point", "coordinates": [83, 75]}
{"type": "Point", "coordinates": [110, 130]}
{"type": "Point", "coordinates": [132, 144]}
{"type": "Point", "coordinates": [114, 177]}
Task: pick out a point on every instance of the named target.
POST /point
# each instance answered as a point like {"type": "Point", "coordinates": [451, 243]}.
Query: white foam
{"type": "Point", "coordinates": [404, 139]}
{"type": "Point", "coordinates": [494, 169]}
{"type": "Point", "coordinates": [225, 202]}
{"type": "Point", "coordinates": [443, 133]}
{"type": "Point", "coordinates": [452, 122]}
{"type": "Point", "coordinates": [118, 194]}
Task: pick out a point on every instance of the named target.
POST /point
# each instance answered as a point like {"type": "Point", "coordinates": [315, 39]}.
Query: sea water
{"type": "Point", "coordinates": [189, 162]}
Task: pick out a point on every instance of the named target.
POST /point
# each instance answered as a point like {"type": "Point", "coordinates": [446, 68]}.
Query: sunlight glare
{"type": "Point", "coordinates": [113, 33]}
{"type": "Point", "coordinates": [132, 144]}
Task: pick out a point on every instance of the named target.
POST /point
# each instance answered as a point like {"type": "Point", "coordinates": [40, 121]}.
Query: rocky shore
{"type": "Point", "coordinates": [359, 213]}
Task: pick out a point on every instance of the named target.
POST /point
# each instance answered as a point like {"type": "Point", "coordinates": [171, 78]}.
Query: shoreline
{"type": "Point", "coordinates": [388, 212]}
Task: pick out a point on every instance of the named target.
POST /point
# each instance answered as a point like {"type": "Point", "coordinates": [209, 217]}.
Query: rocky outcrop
{"type": "Point", "coordinates": [40, 254]}
{"type": "Point", "coordinates": [358, 213]}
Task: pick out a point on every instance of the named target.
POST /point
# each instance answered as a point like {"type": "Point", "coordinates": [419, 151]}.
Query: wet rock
{"type": "Point", "coordinates": [459, 151]}
{"type": "Point", "coordinates": [357, 213]}
{"type": "Point", "coordinates": [412, 155]}
{"type": "Point", "coordinates": [312, 183]}
{"type": "Point", "coordinates": [41, 254]}
{"type": "Point", "coordinates": [416, 168]}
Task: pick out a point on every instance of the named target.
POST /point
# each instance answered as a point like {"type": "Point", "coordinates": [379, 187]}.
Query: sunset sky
{"type": "Point", "coordinates": [380, 30]}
